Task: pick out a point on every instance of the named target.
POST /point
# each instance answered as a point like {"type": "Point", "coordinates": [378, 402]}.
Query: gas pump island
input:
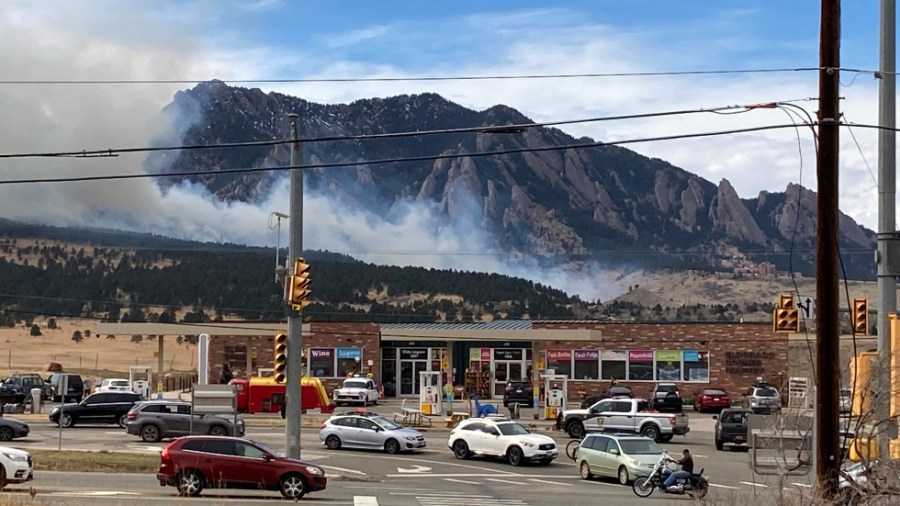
{"type": "Point", "coordinates": [430, 396]}
{"type": "Point", "coordinates": [556, 392]}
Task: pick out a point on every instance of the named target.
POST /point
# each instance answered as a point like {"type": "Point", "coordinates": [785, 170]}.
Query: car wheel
{"type": "Point", "coordinates": [333, 442]}
{"type": "Point", "coordinates": [217, 430]}
{"type": "Point", "coordinates": [6, 434]}
{"type": "Point", "coordinates": [515, 456]}
{"type": "Point", "coordinates": [720, 445]}
{"type": "Point", "coordinates": [3, 481]}
{"type": "Point", "coordinates": [650, 431]}
{"type": "Point", "coordinates": [190, 484]}
{"type": "Point", "coordinates": [575, 429]}
{"type": "Point", "coordinates": [392, 446]}
{"type": "Point", "coordinates": [150, 434]}
{"type": "Point", "coordinates": [66, 421]}
{"type": "Point", "coordinates": [665, 438]}
{"type": "Point", "coordinates": [121, 421]}
{"type": "Point", "coordinates": [461, 449]}
{"type": "Point", "coordinates": [293, 486]}
{"type": "Point", "coordinates": [623, 475]}
{"type": "Point", "coordinates": [585, 470]}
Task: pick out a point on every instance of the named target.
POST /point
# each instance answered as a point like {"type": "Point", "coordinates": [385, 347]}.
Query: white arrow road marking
{"type": "Point", "coordinates": [462, 481]}
{"type": "Point", "coordinates": [413, 469]}
{"type": "Point", "coordinates": [365, 500]}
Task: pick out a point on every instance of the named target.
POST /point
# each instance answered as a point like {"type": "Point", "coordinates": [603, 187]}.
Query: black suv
{"type": "Point", "coordinates": [102, 407]}
{"type": "Point", "coordinates": [21, 384]}
{"type": "Point", "coordinates": [667, 398]}
{"type": "Point", "coordinates": [518, 391]}
{"type": "Point", "coordinates": [74, 391]}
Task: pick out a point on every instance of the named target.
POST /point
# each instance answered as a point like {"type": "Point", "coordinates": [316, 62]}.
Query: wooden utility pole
{"type": "Point", "coordinates": [827, 234]}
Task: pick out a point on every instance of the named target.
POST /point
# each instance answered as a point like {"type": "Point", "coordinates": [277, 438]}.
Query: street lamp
{"type": "Point", "coordinates": [279, 270]}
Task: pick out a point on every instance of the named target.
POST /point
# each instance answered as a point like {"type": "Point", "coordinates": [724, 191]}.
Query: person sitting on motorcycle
{"type": "Point", "coordinates": [687, 467]}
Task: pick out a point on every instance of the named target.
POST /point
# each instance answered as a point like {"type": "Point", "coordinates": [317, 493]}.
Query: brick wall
{"type": "Point", "coordinates": [321, 335]}
{"type": "Point", "coordinates": [762, 352]}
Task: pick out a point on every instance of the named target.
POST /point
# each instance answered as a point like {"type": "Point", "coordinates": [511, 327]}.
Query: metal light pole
{"type": "Point", "coordinates": [295, 320]}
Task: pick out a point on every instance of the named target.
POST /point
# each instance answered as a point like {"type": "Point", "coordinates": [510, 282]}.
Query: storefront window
{"type": "Point", "coordinates": [640, 365]}
{"type": "Point", "coordinates": [321, 362]}
{"type": "Point", "coordinates": [696, 365]}
{"type": "Point", "coordinates": [349, 360]}
{"type": "Point", "coordinates": [587, 365]}
{"type": "Point", "coordinates": [613, 364]}
{"type": "Point", "coordinates": [561, 361]}
{"type": "Point", "coordinates": [668, 365]}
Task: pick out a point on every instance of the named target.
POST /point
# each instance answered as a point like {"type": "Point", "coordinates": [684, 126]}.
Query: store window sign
{"type": "Point", "coordinates": [413, 354]}
{"type": "Point", "coordinates": [587, 354]}
{"type": "Point", "coordinates": [474, 354]}
{"type": "Point", "coordinates": [349, 353]}
{"type": "Point", "coordinates": [640, 355]}
{"type": "Point", "coordinates": [668, 356]}
{"type": "Point", "coordinates": [559, 354]}
{"type": "Point", "coordinates": [485, 354]}
{"type": "Point", "coordinates": [501, 354]}
{"type": "Point", "coordinates": [691, 356]}
{"type": "Point", "coordinates": [322, 353]}
{"type": "Point", "coordinates": [614, 355]}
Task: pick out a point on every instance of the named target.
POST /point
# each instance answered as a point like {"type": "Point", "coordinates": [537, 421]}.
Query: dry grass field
{"type": "Point", "coordinates": [95, 356]}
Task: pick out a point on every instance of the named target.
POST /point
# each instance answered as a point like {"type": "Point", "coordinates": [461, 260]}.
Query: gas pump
{"type": "Point", "coordinates": [430, 399]}
{"type": "Point", "coordinates": [556, 391]}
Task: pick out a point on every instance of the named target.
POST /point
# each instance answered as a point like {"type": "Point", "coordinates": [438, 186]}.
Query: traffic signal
{"type": "Point", "coordinates": [860, 317]}
{"type": "Point", "coordinates": [786, 301]}
{"type": "Point", "coordinates": [281, 356]}
{"type": "Point", "coordinates": [298, 290]}
{"type": "Point", "coordinates": [786, 320]}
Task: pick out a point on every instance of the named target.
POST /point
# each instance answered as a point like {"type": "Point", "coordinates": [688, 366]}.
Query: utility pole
{"type": "Point", "coordinates": [887, 182]}
{"type": "Point", "coordinates": [295, 318]}
{"type": "Point", "coordinates": [827, 234]}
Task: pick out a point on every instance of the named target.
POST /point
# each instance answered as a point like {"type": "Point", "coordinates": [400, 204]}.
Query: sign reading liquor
{"type": "Point", "coordinates": [349, 353]}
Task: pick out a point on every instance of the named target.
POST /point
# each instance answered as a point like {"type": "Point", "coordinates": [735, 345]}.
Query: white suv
{"type": "Point", "coordinates": [17, 466]}
{"type": "Point", "coordinates": [501, 438]}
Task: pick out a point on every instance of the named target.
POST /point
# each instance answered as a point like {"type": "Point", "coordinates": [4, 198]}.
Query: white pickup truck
{"type": "Point", "coordinates": [631, 416]}
{"type": "Point", "coordinates": [356, 391]}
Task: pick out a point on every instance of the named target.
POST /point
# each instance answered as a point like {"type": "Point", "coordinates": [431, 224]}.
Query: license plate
{"type": "Point", "coordinates": [518, 390]}
{"type": "Point", "coordinates": [716, 399]}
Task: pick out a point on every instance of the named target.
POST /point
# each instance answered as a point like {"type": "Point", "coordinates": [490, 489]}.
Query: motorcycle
{"type": "Point", "coordinates": [695, 487]}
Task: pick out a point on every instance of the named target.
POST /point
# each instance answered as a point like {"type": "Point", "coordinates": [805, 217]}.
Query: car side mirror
{"type": "Point", "coordinates": [267, 457]}
{"type": "Point", "coordinates": [614, 451]}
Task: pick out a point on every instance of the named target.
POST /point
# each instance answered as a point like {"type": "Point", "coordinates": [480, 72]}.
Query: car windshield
{"type": "Point", "coordinates": [619, 391]}
{"type": "Point", "coordinates": [386, 423]}
{"type": "Point", "coordinates": [512, 429]}
{"type": "Point", "coordinates": [354, 384]}
{"type": "Point", "coordinates": [639, 447]}
{"type": "Point", "coordinates": [766, 392]}
{"type": "Point", "coordinates": [120, 383]}
{"type": "Point", "coordinates": [666, 388]}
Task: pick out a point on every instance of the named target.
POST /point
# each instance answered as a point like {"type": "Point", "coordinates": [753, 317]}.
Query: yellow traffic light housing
{"type": "Point", "coordinates": [281, 357]}
{"type": "Point", "coordinates": [298, 289]}
{"type": "Point", "coordinates": [786, 301]}
{"type": "Point", "coordinates": [786, 317]}
{"type": "Point", "coordinates": [859, 315]}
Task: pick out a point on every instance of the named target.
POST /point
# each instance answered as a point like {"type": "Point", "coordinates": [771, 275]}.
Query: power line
{"type": "Point", "coordinates": [494, 77]}
{"type": "Point", "coordinates": [426, 158]}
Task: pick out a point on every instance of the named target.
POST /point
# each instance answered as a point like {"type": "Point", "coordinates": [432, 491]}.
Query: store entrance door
{"type": "Point", "coordinates": [412, 362]}
{"type": "Point", "coordinates": [505, 372]}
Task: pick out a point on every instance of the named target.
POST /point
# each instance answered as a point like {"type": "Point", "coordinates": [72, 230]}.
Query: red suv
{"type": "Point", "coordinates": [193, 463]}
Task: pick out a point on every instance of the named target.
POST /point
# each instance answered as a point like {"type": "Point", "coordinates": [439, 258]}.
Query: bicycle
{"type": "Point", "coordinates": [572, 448]}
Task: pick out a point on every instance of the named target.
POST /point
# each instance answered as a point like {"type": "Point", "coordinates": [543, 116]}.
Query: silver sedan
{"type": "Point", "coordinates": [369, 431]}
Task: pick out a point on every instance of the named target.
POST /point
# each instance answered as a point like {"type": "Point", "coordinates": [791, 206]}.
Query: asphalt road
{"type": "Point", "coordinates": [431, 477]}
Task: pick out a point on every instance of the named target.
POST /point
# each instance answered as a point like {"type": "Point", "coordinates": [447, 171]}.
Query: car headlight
{"type": "Point", "coordinates": [16, 457]}
{"type": "Point", "coordinates": [315, 471]}
{"type": "Point", "coordinates": [410, 438]}
{"type": "Point", "coordinates": [634, 462]}
{"type": "Point", "coordinates": [527, 444]}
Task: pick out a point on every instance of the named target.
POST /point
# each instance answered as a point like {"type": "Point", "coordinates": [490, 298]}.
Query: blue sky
{"type": "Point", "coordinates": [283, 39]}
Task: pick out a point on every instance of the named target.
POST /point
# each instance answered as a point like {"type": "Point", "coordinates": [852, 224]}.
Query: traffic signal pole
{"type": "Point", "coordinates": [294, 318]}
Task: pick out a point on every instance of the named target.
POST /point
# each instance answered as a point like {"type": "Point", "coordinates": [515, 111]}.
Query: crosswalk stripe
{"type": "Point", "coordinates": [365, 500]}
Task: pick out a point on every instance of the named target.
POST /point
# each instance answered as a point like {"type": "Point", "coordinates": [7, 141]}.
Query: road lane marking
{"type": "Point", "coordinates": [443, 494]}
{"type": "Point", "coordinates": [426, 461]}
{"type": "Point", "coordinates": [498, 480]}
{"type": "Point", "coordinates": [601, 483]}
{"type": "Point", "coordinates": [462, 481]}
{"type": "Point", "coordinates": [470, 500]}
{"type": "Point", "coordinates": [550, 482]}
{"type": "Point", "coordinates": [413, 469]}
{"type": "Point", "coordinates": [343, 470]}
{"type": "Point", "coordinates": [754, 484]}
{"type": "Point", "coordinates": [724, 486]}
{"type": "Point", "coordinates": [365, 500]}
{"type": "Point", "coordinates": [805, 485]}
{"type": "Point", "coordinates": [479, 475]}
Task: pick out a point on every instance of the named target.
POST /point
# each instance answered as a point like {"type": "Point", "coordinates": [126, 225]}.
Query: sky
{"type": "Point", "coordinates": [317, 39]}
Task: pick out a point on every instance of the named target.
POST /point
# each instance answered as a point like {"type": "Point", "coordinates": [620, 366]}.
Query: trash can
{"type": "Point", "coordinates": [514, 411]}
{"type": "Point", "coordinates": [36, 400]}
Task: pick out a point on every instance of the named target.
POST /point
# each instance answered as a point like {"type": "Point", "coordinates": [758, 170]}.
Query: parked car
{"type": "Point", "coordinates": [103, 407]}
{"type": "Point", "coordinates": [731, 427]}
{"type": "Point", "coordinates": [666, 398]}
{"type": "Point", "coordinates": [155, 420]}
{"type": "Point", "coordinates": [114, 384]}
{"type": "Point", "coordinates": [620, 457]}
{"type": "Point", "coordinates": [613, 392]}
{"type": "Point", "coordinates": [21, 385]}
{"type": "Point", "coordinates": [17, 466]}
{"type": "Point", "coordinates": [369, 431]}
{"type": "Point", "coordinates": [711, 398]}
{"type": "Point", "coordinates": [74, 387]}
{"type": "Point", "coordinates": [192, 463]}
{"type": "Point", "coordinates": [11, 428]}
{"type": "Point", "coordinates": [500, 437]}
{"type": "Point", "coordinates": [518, 391]}
{"type": "Point", "coordinates": [761, 398]}
{"type": "Point", "coordinates": [356, 390]}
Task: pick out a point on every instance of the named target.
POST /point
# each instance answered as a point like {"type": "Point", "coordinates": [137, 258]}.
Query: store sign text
{"type": "Point", "coordinates": [747, 362]}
